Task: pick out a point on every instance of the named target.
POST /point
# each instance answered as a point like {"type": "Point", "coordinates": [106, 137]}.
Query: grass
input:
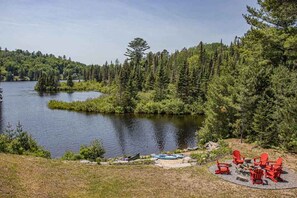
{"type": "Point", "coordinates": [25, 176]}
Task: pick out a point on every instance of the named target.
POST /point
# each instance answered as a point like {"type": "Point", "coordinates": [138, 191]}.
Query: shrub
{"type": "Point", "coordinates": [3, 143]}
{"type": "Point", "coordinates": [93, 151]}
{"type": "Point", "coordinates": [17, 141]}
{"type": "Point", "coordinates": [207, 156]}
{"type": "Point", "coordinates": [200, 157]}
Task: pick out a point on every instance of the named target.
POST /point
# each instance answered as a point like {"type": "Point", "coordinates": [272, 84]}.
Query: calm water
{"type": "Point", "coordinates": [59, 130]}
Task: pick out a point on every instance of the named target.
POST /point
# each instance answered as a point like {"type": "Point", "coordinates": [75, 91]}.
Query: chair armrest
{"type": "Point", "coordinates": [224, 164]}
{"type": "Point", "coordinates": [271, 162]}
{"type": "Point", "coordinates": [258, 157]}
{"type": "Point", "coordinates": [268, 168]}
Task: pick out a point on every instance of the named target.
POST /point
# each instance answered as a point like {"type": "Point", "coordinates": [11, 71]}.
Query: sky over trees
{"type": "Point", "coordinates": [93, 32]}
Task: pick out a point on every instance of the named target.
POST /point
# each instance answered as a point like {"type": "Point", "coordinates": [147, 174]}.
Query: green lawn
{"type": "Point", "coordinates": [24, 176]}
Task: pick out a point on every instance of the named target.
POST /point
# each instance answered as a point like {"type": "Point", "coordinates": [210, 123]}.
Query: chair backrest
{"type": "Point", "coordinates": [218, 164]}
{"type": "Point", "coordinates": [277, 172]}
{"type": "Point", "coordinates": [236, 154]}
{"type": "Point", "coordinates": [258, 174]}
{"type": "Point", "coordinates": [264, 158]}
{"type": "Point", "coordinates": [279, 161]}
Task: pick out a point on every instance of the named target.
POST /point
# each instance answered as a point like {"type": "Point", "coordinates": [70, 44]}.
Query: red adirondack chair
{"type": "Point", "coordinates": [223, 168]}
{"type": "Point", "coordinates": [273, 173]}
{"type": "Point", "coordinates": [276, 164]}
{"type": "Point", "coordinates": [237, 157]}
{"type": "Point", "coordinates": [256, 176]}
{"type": "Point", "coordinates": [261, 161]}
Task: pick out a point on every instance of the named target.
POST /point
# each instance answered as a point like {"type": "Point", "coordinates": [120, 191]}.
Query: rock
{"type": "Point", "coordinates": [193, 148]}
{"type": "Point", "coordinates": [187, 159]}
{"type": "Point", "coordinates": [85, 161]}
{"type": "Point", "coordinates": [211, 146]}
{"type": "Point", "coordinates": [93, 163]}
{"type": "Point", "coordinates": [104, 163]}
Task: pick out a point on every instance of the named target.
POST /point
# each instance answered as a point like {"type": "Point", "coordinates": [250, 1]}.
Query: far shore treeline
{"type": "Point", "coordinates": [246, 89]}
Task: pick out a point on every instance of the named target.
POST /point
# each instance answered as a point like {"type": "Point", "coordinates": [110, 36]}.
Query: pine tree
{"type": "Point", "coordinates": [70, 81]}
{"type": "Point", "coordinates": [183, 83]}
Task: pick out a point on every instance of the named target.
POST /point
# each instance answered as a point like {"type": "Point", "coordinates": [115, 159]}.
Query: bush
{"type": "Point", "coordinates": [4, 141]}
{"type": "Point", "coordinates": [17, 141]}
{"type": "Point", "coordinates": [69, 155]}
{"type": "Point", "coordinates": [207, 156]}
{"type": "Point", "coordinates": [102, 104]}
{"type": "Point", "coordinates": [93, 151]}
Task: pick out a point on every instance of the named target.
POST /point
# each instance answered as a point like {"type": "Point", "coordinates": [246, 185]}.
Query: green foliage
{"type": "Point", "coordinates": [48, 82]}
{"type": "Point", "coordinates": [93, 151]}
{"type": "Point", "coordinates": [69, 155]}
{"type": "Point", "coordinates": [25, 65]}
{"type": "Point", "coordinates": [69, 81]}
{"type": "Point", "coordinates": [137, 48]}
{"type": "Point", "coordinates": [17, 141]}
{"type": "Point", "coordinates": [206, 156]}
{"type": "Point", "coordinates": [255, 95]}
{"type": "Point", "coordinates": [103, 104]}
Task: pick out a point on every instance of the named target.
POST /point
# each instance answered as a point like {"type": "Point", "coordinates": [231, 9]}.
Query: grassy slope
{"type": "Point", "coordinates": [23, 176]}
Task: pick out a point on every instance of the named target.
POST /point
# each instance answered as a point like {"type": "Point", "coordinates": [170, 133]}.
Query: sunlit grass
{"type": "Point", "coordinates": [26, 176]}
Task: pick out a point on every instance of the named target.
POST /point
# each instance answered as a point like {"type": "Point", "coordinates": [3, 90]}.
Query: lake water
{"type": "Point", "coordinates": [59, 131]}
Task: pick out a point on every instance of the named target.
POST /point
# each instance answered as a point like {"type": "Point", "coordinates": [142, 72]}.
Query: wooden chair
{"type": "Point", "coordinates": [237, 157]}
{"type": "Point", "coordinates": [223, 168]}
{"type": "Point", "coordinates": [256, 176]}
{"type": "Point", "coordinates": [261, 160]}
{"type": "Point", "coordinates": [276, 164]}
{"type": "Point", "coordinates": [273, 173]}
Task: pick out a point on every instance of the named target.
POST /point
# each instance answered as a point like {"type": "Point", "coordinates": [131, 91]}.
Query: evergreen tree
{"type": "Point", "coordinates": [136, 49]}
{"type": "Point", "coordinates": [183, 83]}
{"type": "Point", "coordinates": [70, 81]}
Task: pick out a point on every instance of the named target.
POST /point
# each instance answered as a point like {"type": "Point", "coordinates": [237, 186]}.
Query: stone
{"type": "Point", "coordinates": [104, 163]}
{"type": "Point", "coordinates": [186, 159]}
{"type": "Point", "coordinates": [84, 161]}
{"type": "Point", "coordinates": [211, 146]}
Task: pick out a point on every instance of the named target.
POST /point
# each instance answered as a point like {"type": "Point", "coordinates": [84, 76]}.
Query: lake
{"type": "Point", "coordinates": [59, 130]}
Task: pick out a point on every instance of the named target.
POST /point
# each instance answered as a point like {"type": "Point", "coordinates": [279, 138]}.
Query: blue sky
{"type": "Point", "coordinates": [95, 31]}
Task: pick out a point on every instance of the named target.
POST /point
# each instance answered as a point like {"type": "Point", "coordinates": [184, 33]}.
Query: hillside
{"type": "Point", "coordinates": [24, 65]}
{"type": "Point", "coordinates": [23, 176]}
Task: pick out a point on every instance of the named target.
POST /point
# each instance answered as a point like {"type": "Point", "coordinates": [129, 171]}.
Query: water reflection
{"type": "Point", "coordinates": [119, 127]}
{"type": "Point", "coordinates": [59, 130]}
{"type": "Point", "coordinates": [159, 133]}
{"type": "Point", "coordinates": [153, 133]}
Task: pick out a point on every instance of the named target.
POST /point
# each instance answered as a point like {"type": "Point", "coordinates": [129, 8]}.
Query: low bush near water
{"type": "Point", "coordinates": [17, 141]}
{"type": "Point", "coordinates": [92, 152]}
{"type": "Point", "coordinates": [206, 156]}
{"type": "Point", "coordinates": [101, 104]}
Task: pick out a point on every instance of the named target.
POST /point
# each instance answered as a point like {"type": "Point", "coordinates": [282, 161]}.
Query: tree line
{"type": "Point", "coordinates": [24, 65]}
{"type": "Point", "coordinates": [256, 98]}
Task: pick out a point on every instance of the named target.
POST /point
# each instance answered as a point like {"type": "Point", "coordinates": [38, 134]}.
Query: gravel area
{"type": "Point", "coordinates": [289, 177]}
{"type": "Point", "coordinates": [178, 163]}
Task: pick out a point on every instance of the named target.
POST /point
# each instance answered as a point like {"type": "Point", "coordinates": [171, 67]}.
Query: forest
{"type": "Point", "coordinates": [22, 65]}
{"type": "Point", "coordinates": [247, 89]}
